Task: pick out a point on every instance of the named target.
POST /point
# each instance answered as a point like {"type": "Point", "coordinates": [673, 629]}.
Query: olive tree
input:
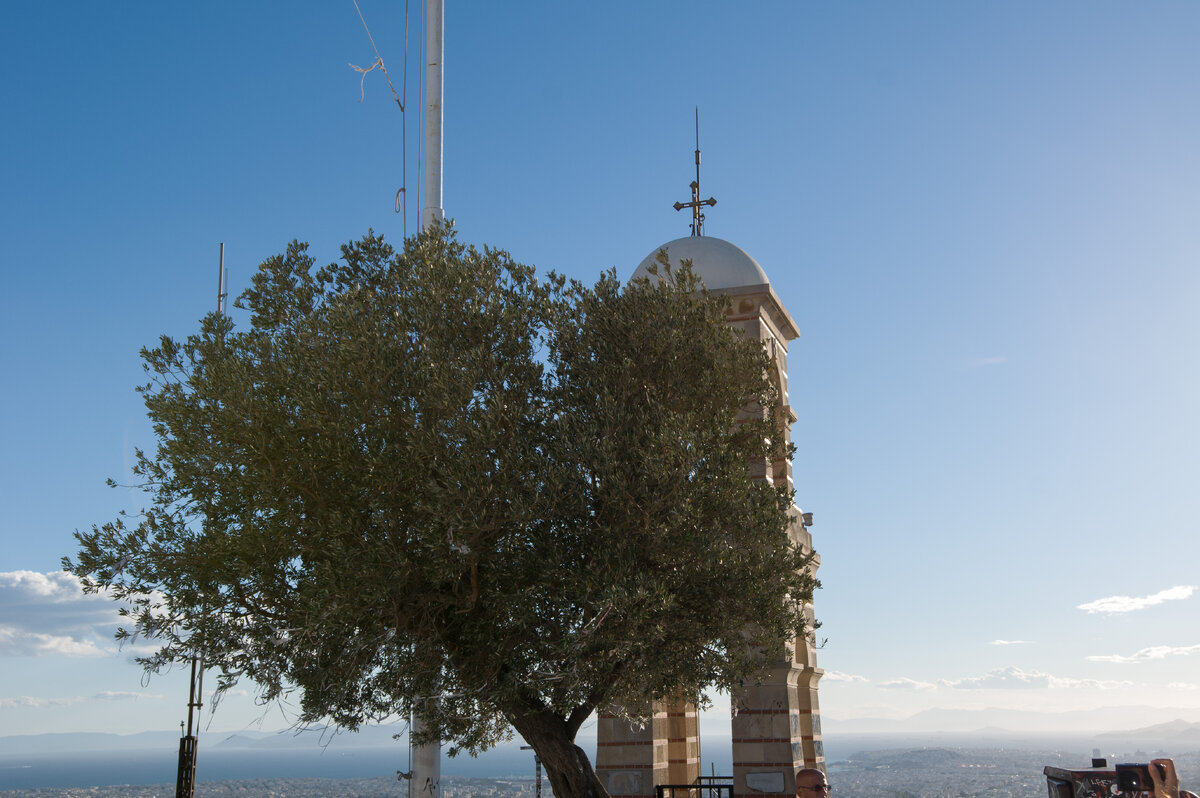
{"type": "Point", "coordinates": [430, 481]}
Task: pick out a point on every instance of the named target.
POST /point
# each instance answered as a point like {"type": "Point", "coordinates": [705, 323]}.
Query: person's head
{"type": "Point", "coordinates": [811, 783]}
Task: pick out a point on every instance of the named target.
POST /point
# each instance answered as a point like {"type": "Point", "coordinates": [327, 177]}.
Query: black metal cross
{"type": "Point", "coordinates": [696, 204]}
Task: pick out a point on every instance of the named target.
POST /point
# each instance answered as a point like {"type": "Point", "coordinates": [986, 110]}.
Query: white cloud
{"type": "Point", "coordinates": [32, 702]}
{"type": "Point", "coordinates": [23, 643]}
{"type": "Point", "coordinates": [1147, 654]}
{"type": "Point", "coordinates": [38, 702]}
{"type": "Point", "coordinates": [1013, 678]}
{"type": "Point", "coordinates": [1010, 642]}
{"type": "Point", "coordinates": [1118, 604]}
{"type": "Point", "coordinates": [1067, 683]}
{"type": "Point", "coordinates": [838, 676]}
{"type": "Point", "coordinates": [47, 614]}
{"type": "Point", "coordinates": [904, 683]}
{"type": "Point", "coordinates": [1183, 686]}
{"type": "Point", "coordinates": [109, 695]}
{"type": "Point", "coordinates": [55, 586]}
{"type": "Point", "coordinates": [1001, 678]}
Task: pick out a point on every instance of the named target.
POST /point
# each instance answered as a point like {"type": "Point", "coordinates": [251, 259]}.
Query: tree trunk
{"type": "Point", "coordinates": [570, 771]}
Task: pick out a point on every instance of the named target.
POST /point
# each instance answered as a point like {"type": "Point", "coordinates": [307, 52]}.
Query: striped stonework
{"type": "Point", "coordinates": [776, 723]}
{"type": "Point", "coordinates": [631, 759]}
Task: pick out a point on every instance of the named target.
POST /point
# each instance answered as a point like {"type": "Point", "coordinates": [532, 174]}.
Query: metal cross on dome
{"type": "Point", "coordinates": [696, 204]}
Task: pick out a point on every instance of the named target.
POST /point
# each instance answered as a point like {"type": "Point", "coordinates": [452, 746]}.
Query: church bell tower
{"type": "Point", "coordinates": [776, 722]}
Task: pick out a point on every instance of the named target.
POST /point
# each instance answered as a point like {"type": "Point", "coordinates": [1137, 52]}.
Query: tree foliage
{"type": "Point", "coordinates": [431, 473]}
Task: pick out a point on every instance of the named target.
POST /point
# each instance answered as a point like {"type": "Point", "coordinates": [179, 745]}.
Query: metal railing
{"type": "Point", "coordinates": [703, 787]}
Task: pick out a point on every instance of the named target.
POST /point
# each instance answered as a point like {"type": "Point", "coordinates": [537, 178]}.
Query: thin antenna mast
{"type": "Point", "coordinates": [537, 770]}
{"type": "Point", "coordinates": [185, 780]}
{"type": "Point", "coordinates": [185, 777]}
{"type": "Point", "coordinates": [222, 282]}
{"type": "Point", "coordinates": [696, 204]}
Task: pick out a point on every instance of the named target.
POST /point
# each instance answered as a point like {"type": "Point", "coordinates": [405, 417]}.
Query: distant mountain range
{"type": "Point", "coordinates": [1180, 731]}
{"type": "Point", "coordinates": [373, 737]}
{"type": "Point", "coordinates": [997, 720]}
{"type": "Point", "coordinates": [1107, 726]}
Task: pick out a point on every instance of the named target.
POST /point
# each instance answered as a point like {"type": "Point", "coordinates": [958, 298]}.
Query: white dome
{"type": "Point", "coordinates": [716, 262]}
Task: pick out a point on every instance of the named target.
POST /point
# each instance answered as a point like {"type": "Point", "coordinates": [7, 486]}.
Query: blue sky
{"type": "Point", "coordinates": [981, 215]}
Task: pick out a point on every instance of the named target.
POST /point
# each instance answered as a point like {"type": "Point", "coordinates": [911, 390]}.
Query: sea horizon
{"type": "Point", "coordinates": [238, 761]}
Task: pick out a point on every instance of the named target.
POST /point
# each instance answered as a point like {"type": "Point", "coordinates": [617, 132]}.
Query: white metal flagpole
{"type": "Point", "coordinates": [426, 774]}
{"type": "Point", "coordinates": [434, 53]}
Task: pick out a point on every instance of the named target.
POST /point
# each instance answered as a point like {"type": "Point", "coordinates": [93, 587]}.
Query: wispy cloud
{"type": "Point", "coordinates": [1001, 678]}
{"type": "Point", "coordinates": [1067, 683]}
{"type": "Point", "coordinates": [33, 702]}
{"type": "Point", "coordinates": [838, 676]}
{"type": "Point", "coordinates": [904, 683]}
{"type": "Point", "coordinates": [1183, 686]}
{"type": "Point", "coordinates": [1014, 678]}
{"type": "Point", "coordinates": [38, 702]}
{"type": "Point", "coordinates": [1118, 604]}
{"type": "Point", "coordinates": [54, 586]}
{"type": "Point", "coordinates": [1007, 678]}
{"type": "Point", "coordinates": [993, 360]}
{"type": "Point", "coordinates": [1010, 642]}
{"type": "Point", "coordinates": [109, 695]}
{"type": "Point", "coordinates": [1147, 654]}
{"type": "Point", "coordinates": [47, 614]}
{"type": "Point", "coordinates": [23, 643]}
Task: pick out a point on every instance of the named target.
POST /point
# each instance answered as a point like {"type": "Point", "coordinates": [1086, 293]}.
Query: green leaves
{"type": "Point", "coordinates": [431, 473]}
